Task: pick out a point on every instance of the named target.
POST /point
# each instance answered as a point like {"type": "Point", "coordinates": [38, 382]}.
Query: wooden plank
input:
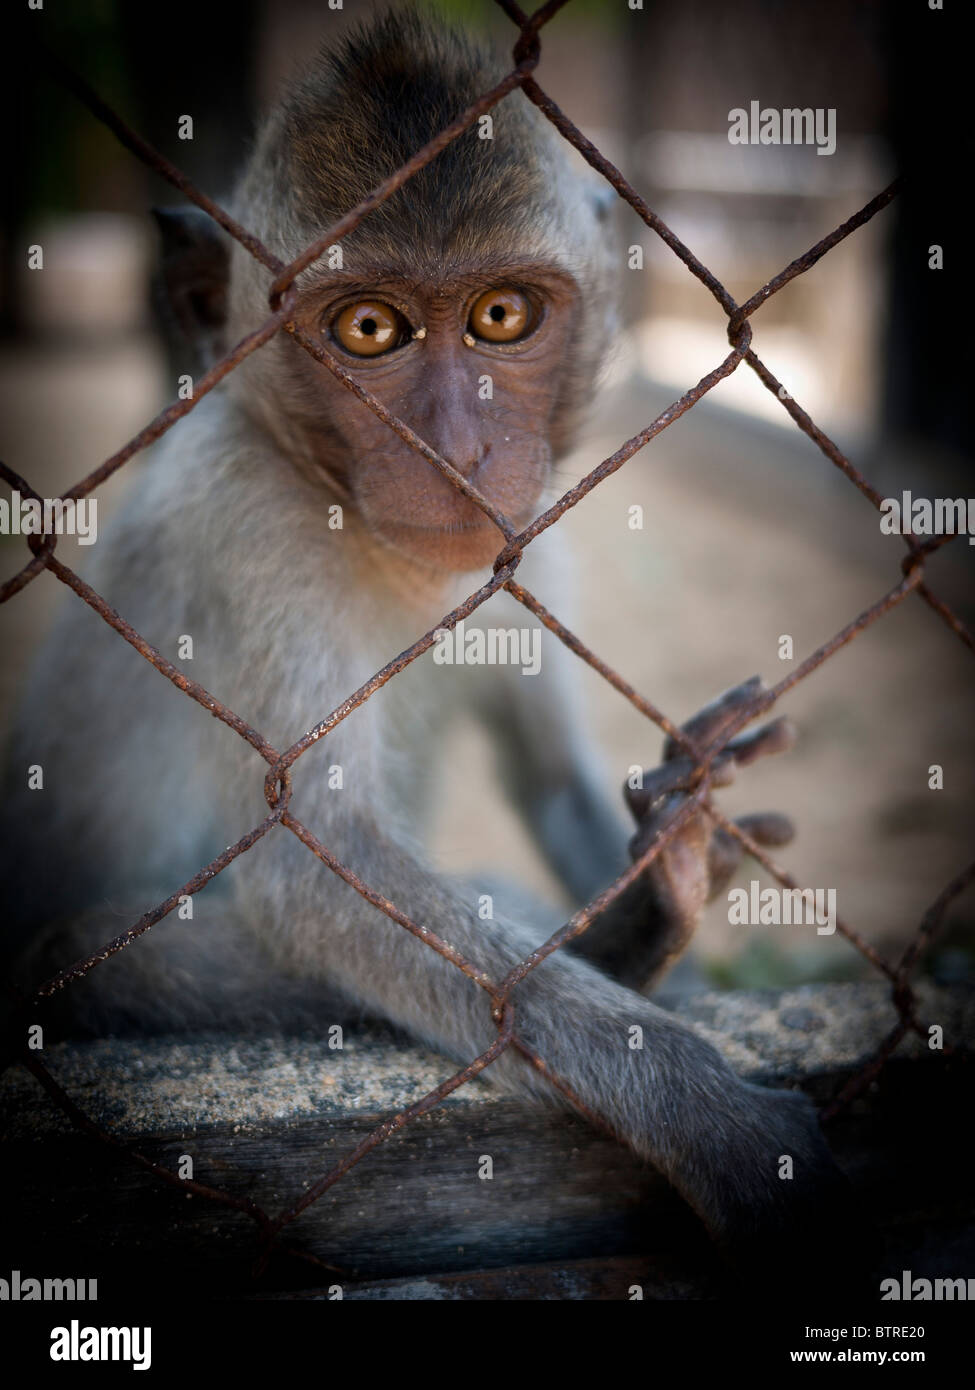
{"type": "Point", "coordinates": [264, 1117]}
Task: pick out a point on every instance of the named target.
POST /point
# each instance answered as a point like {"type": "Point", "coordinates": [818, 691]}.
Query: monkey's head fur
{"type": "Point", "coordinates": [501, 209]}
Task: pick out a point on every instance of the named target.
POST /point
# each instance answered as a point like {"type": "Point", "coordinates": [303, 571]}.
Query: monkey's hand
{"type": "Point", "coordinates": [648, 927]}
{"type": "Point", "coordinates": [697, 863]}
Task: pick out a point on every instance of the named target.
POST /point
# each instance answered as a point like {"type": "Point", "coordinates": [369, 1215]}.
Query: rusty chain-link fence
{"type": "Point", "coordinates": [501, 995]}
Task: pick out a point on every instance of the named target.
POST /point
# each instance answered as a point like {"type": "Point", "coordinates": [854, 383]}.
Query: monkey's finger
{"type": "Point", "coordinates": [672, 777]}
{"type": "Point", "coordinates": [675, 772]}
{"type": "Point", "coordinates": [777, 737]}
{"type": "Point", "coordinates": [656, 783]}
{"type": "Point", "coordinates": [675, 776]}
{"type": "Point", "coordinates": [768, 828]}
{"type": "Point", "coordinates": [725, 853]}
{"type": "Point", "coordinates": [706, 725]}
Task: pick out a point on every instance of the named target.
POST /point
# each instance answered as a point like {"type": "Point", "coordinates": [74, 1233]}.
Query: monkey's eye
{"type": "Point", "coordinates": [370, 327]}
{"type": "Point", "coordinates": [500, 316]}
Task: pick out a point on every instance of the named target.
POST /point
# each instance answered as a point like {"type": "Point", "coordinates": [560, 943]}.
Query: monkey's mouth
{"type": "Point", "coordinates": [433, 524]}
{"type": "Point", "coordinates": [469, 544]}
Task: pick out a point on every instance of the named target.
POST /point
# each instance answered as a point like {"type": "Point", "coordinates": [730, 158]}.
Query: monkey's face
{"type": "Point", "coordinates": [479, 366]}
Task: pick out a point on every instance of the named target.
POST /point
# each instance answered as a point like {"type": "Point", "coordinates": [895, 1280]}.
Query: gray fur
{"type": "Point", "coordinates": [224, 538]}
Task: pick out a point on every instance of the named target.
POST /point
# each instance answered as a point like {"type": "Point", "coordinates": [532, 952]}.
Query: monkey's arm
{"type": "Point", "coordinates": [662, 1088]}
{"type": "Point", "coordinates": [553, 777]}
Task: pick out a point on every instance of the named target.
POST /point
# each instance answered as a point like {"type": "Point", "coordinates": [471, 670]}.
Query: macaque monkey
{"type": "Point", "coordinates": [496, 261]}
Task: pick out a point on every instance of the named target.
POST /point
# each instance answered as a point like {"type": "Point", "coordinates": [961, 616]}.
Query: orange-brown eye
{"type": "Point", "coordinates": [370, 327]}
{"type": "Point", "coordinates": [500, 316]}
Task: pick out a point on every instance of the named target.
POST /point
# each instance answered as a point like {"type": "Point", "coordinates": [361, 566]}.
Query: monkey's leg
{"type": "Point", "coordinates": [661, 1087]}
{"type": "Point", "coordinates": [640, 936]}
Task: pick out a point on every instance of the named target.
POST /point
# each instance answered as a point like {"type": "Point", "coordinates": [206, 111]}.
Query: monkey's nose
{"type": "Point", "coordinates": [469, 463]}
{"type": "Point", "coordinates": [478, 464]}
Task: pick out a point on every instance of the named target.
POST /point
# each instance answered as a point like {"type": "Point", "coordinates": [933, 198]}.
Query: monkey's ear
{"type": "Point", "coordinates": [191, 287]}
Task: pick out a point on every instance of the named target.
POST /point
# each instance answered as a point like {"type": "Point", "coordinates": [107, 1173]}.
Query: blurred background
{"type": "Point", "coordinates": [749, 532]}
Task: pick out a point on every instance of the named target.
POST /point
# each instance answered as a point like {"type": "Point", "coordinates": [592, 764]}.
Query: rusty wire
{"type": "Point", "coordinates": [502, 994]}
